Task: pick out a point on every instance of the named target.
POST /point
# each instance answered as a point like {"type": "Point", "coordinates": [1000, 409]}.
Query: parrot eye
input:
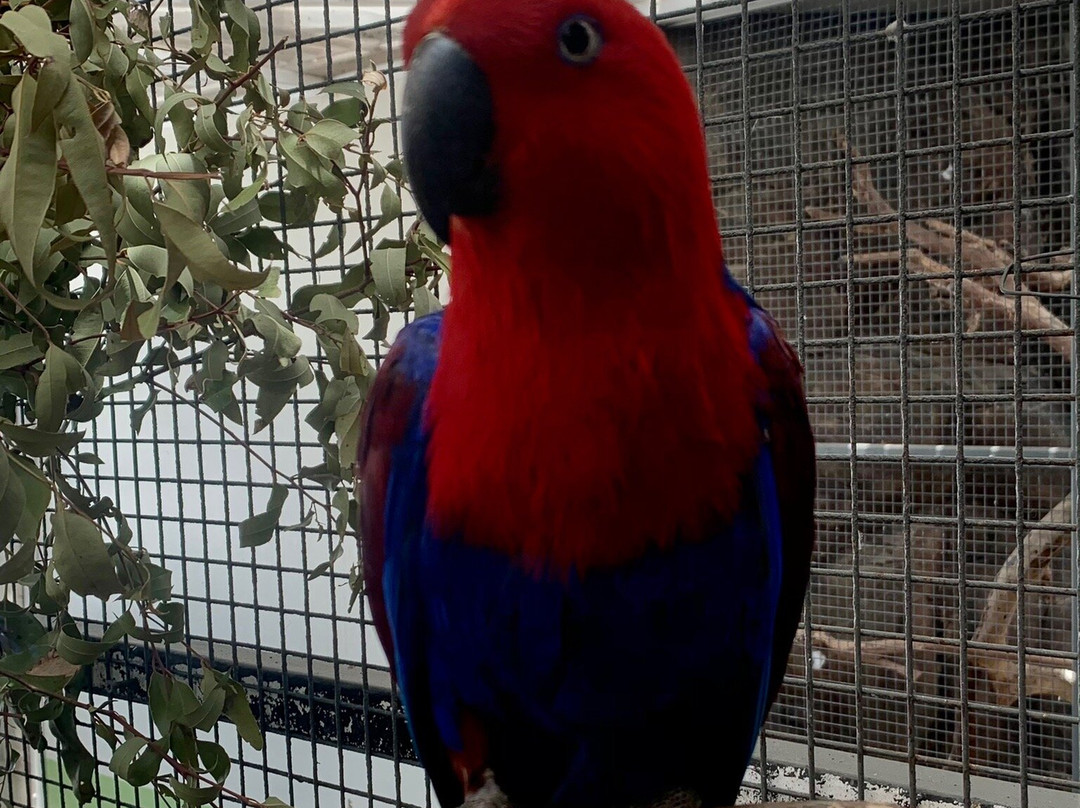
{"type": "Point", "coordinates": [579, 40]}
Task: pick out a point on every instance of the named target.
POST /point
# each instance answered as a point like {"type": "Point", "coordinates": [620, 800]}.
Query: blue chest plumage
{"type": "Point", "coordinates": [596, 688]}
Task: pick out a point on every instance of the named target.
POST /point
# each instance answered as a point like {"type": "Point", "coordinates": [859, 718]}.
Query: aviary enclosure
{"type": "Point", "coordinates": [898, 181]}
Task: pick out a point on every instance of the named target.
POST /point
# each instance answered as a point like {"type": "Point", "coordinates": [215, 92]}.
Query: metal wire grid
{"type": "Point", "coordinates": [314, 668]}
{"type": "Point", "coordinates": [946, 425]}
{"type": "Point", "coordinates": [927, 481]}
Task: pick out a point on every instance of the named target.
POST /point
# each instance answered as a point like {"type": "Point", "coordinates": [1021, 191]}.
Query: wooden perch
{"type": "Point", "coordinates": [981, 258]}
{"type": "Point", "coordinates": [1000, 614]}
{"type": "Point", "coordinates": [1046, 675]}
{"type": "Point", "coordinates": [936, 237]}
{"type": "Point", "coordinates": [980, 300]}
{"type": "Point", "coordinates": [1041, 546]}
{"type": "Point", "coordinates": [835, 661]}
{"type": "Point", "coordinates": [977, 254]}
{"type": "Point", "coordinates": [999, 670]}
{"type": "Point", "coordinates": [1046, 277]}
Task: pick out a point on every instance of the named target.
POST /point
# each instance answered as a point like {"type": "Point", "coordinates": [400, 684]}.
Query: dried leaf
{"type": "Point", "coordinates": [375, 79]}
{"type": "Point", "coordinates": [108, 124]}
{"type": "Point", "coordinates": [52, 664]}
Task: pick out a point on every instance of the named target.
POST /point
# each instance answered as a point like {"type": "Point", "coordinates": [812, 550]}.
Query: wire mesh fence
{"type": "Point", "coordinates": [877, 167]}
{"type": "Point", "coordinates": [877, 171]}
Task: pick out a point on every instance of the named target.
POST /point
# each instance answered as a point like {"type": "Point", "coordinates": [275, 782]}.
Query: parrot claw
{"type": "Point", "coordinates": [489, 795]}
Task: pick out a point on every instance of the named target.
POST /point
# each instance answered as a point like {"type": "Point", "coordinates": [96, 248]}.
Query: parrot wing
{"type": "Point", "coordinates": [794, 459]}
{"type": "Point", "coordinates": [392, 490]}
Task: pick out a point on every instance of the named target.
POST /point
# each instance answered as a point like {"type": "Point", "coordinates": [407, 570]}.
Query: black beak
{"type": "Point", "coordinates": [447, 132]}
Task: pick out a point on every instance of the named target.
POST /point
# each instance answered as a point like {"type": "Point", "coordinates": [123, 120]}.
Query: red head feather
{"type": "Point", "coordinates": [594, 389]}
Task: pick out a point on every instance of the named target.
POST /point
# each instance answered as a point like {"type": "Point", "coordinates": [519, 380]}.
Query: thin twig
{"type": "Point", "coordinates": [151, 373]}
{"type": "Point", "coordinates": [153, 611]}
{"type": "Point", "coordinates": [195, 319]}
{"type": "Point", "coordinates": [162, 175]}
{"type": "Point", "coordinates": [220, 424]}
{"type": "Point", "coordinates": [50, 479]}
{"type": "Point", "coordinates": [146, 609]}
{"type": "Point", "coordinates": [233, 86]}
{"type": "Point", "coordinates": [318, 328]}
{"type": "Point", "coordinates": [26, 311]}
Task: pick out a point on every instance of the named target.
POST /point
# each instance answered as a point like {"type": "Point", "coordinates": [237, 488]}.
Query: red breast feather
{"type": "Point", "coordinates": [594, 392]}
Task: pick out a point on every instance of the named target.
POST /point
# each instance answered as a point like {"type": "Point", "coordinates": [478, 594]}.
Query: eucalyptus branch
{"type": "Point", "coordinates": [313, 326]}
{"type": "Point", "coordinates": [220, 309]}
{"type": "Point", "coordinates": [161, 175]}
{"type": "Point", "coordinates": [99, 337]}
{"type": "Point", "coordinates": [365, 180]}
{"type": "Point", "coordinates": [30, 315]}
{"type": "Point", "coordinates": [235, 85]}
{"type": "Point", "coordinates": [99, 714]}
{"type": "Point", "coordinates": [108, 332]}
{"type": "Point", "coordinates": [203, 660]}
{"type": "Point", "coordinates": [150, 373]}
{"type": "Point", "coordinates": [78, 474]}
{"type": "Point", "coordinates": [120, 546]}
{"type": "Point", "coordinates": [146, 608]}
{"type": "Point", "coordinates": [220, 424]}
{"type": "Point", "coordinates": [54, 472]}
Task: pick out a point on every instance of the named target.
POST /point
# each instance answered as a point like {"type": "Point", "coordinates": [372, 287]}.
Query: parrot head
{"type": "Point", "coordinates": [572, 115]}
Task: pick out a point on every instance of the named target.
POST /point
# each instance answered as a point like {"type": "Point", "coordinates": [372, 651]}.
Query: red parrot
{"type": "Point", "coordinates": [587, 485]}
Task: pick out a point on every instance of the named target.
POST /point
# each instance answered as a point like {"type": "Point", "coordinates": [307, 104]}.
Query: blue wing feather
{"type": "Point", "coordinates": [600, 689]}
{"type": "Point", "coordinates": [392, 490]}
{"type": "Point", "coordinates": [792, 445]}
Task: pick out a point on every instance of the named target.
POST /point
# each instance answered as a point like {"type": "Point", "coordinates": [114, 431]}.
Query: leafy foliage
{"type": "Point", "coordinates": [140, 222]}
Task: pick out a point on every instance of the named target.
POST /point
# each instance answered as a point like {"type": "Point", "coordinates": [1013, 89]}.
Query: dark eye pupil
{"type": "Point", "coordinates": [576, 38]}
